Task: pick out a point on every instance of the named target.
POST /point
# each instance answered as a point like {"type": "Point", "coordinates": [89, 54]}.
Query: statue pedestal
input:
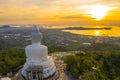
{"type": "Point", "coordinates": [35, 73]}
{"type": "Point", "coordinates": [48, 67]}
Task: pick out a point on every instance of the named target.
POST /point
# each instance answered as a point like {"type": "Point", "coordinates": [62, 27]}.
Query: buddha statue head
{"type": "Point", "coordinates": [36, 35]}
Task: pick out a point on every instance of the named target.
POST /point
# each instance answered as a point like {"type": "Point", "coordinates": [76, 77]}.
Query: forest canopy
{"type": "Point", "coordinates": [94, 65]}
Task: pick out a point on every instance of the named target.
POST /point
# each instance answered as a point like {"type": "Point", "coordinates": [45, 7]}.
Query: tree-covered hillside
{"type": "Point", "coordinates": [94, 65]}
{"type": "Point", "coordinates": [10, 60]}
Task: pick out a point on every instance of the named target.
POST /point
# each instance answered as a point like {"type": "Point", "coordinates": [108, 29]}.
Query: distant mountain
{"type": "Point", "coordinates": [82, 28]}
{"type": "Point", "coordinates": [5, 27]}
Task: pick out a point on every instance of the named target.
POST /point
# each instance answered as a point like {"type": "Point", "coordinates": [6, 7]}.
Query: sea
{"type": "Point", "coordinates": [114, 31]}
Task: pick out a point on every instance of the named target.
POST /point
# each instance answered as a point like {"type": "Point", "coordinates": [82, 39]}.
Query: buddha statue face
{"type": "Point", "coordinates": [36, 36]}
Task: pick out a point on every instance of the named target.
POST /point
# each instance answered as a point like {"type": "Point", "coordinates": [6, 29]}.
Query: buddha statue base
{"type": "Point", "coordinates": [47, 66]}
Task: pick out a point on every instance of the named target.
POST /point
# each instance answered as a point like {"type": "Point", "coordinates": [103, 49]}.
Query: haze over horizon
{"type": "Point", "coordinates": [94, 12]}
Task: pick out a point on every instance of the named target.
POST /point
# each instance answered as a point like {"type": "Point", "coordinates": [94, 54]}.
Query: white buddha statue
{"type": "Point", "coordinates": [37, 55]}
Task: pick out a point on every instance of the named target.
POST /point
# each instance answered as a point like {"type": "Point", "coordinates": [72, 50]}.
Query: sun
{"type": "Point", "coordinates": [97, 33]}
{"type": "Point", "coordinates": [98, 11]}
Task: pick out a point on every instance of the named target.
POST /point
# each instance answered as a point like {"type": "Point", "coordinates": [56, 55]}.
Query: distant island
{"type": "Point", "coordinates": [5, 27]}
{"type": "Point", "coordinates": [82, 28]}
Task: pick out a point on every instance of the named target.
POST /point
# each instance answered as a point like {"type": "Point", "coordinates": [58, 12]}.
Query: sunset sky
{"type": "Point", "coordinates": [83, 12]}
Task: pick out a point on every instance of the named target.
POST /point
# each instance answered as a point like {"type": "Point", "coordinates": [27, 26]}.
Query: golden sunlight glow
{"type": "Point", "coordinates": [60, 12]}
{"type": "Point", "coordinates": [98, 11]}
{"type": "Point", "coordinates": [97, 33]}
